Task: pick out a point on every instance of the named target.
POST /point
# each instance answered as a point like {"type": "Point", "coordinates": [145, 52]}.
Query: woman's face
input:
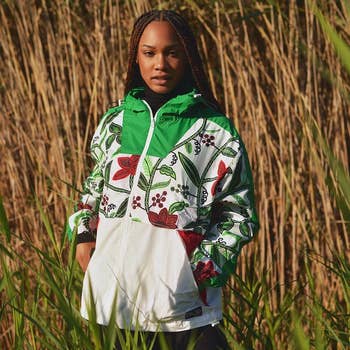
{"type": "Point", "coordinates": [161, 57]}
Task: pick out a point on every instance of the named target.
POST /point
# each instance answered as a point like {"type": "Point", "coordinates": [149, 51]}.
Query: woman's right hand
{"type": "Point", "coordinates": [83, 253]}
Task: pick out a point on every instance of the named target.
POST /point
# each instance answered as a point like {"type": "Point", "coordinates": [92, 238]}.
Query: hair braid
{"type": "Point", "coordinates": [187, 40]}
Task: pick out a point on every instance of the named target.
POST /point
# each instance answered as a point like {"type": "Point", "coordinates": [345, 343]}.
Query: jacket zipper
{"type": "Point", "coordinates": [142, 158]}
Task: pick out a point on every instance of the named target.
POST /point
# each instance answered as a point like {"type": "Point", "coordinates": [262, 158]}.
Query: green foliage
{"type": "Point", "coordinates": [249, 322]}
{"type": "Point", "coordinates": [40, 289]}
{"type": "Point", "coordinates": [339, 183]}
{"type": "Point", "coordinates": [4, 225]}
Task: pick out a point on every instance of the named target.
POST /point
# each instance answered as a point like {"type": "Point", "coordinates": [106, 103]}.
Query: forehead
{"type": "Point", "coordinates": [159, 34]}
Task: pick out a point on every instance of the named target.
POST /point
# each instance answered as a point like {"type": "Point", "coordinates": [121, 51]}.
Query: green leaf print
{"type": "Point", "coordinates": [108, 171]}
{"type": "Point", "coordinates": [115, 128]}
{"type": "Point", "coordinates": [216, 256]}
{"type": "Point", "coordinates": [177, 206]}
{"type": "Point", "coordinates": [147, 166]}
{"type": "Point", "coordinates": [143, 183]}
{"type": "Point", "coordinates": [197, 226]}
{"type": "Point", "coordinates": [116, 152]}
{"type": "Point", "coordinates": [190, 169]}
{"type": "Point", "coordinates": [167, 170]}
{"type": "Point", "coordinates": [131, 180]}
{"type": "Point", "coordinates": [198, 256]}
{"type": "Point", "coordinates": [115, 131]}
{"type": "Point", "coordinates": [240, 200]}
{"type": "Point", "coordinates": [204, 211]}
{"type": "Point", "coordinates": [109, 141]}
{"type": "Point", "coordinates": [159, 185]}
{"type": "Point", "coordinates": [188, 147]}
{"type": "Point", "coordinates": [110, 115]}
{"type": "Point", "coordinates": [122, 208]}
{"type": "Point", "coordinates": [244, 229]}
{"type": "Point", "coordinates": [226, 225]}
{"type": "Point", "coordinates": [229, 152]}
{"type": "Point", "coordinates": [212, 131]}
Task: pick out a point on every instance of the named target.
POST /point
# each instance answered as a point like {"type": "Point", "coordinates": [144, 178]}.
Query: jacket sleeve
{"type": "Point", "coordinates": [233, 223]}
{"type": "Point", "coordinates": [84, 221]}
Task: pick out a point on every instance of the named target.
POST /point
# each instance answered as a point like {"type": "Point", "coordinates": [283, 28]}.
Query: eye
{"type": "Point", "coordinates": [173, 53]}
{"type": "Point", "coordinates": [148, 53]}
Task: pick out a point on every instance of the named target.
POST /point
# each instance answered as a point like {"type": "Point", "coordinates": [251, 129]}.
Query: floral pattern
{"type": "Point", "coordinates": [163, 219]}
{"type": "Point", "coordinates": [191, 240]}
{"type": "Point", "coordinates": [196, 188]}
{"type": "Point", "coordinates": [82, 206]}
{"type": "Point", "coordinates": [203, 272]}
{"type": "Point", "coordinates": [159, 199]}
{"type": "Point", "coordinates": [222, 169]}
{"type": "Point", "coordinates": [128, 167]}
{"type": "Point", "coordinates": [208, 140]}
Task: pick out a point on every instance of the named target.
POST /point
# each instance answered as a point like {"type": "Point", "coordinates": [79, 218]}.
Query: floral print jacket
{"type": "Point", "coordinates": [185, 168]}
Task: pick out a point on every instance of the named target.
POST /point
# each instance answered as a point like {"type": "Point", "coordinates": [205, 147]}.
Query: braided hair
{"type": "Point", "coordinates": [188, 41]}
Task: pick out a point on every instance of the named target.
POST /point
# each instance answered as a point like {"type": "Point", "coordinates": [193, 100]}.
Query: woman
{"type": "Point", "coordinates": [169, 203]}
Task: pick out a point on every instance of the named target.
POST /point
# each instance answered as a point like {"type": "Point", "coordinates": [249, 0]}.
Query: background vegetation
{"type": "Point", "coordinates": [281, 70]}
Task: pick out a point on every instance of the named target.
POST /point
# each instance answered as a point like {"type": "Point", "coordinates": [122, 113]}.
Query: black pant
{"type": "Point", "coordinates": [203, 338]}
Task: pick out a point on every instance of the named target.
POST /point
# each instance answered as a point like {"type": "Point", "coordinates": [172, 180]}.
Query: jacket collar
{"type": "Point", "coordinates": [177, 105]}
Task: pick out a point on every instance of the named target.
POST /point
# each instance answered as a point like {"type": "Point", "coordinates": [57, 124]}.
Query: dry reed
{"type": "Point", "coordinates": [63, 63]}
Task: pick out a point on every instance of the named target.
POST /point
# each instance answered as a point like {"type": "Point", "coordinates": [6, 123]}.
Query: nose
{"type": "Point", "coordinates": [161, 62]}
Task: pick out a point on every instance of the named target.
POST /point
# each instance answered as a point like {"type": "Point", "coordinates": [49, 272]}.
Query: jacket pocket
{"type": "Point", "coordinates": [154, 274]}
{"type": "Point", "coordinates": [144, 269]}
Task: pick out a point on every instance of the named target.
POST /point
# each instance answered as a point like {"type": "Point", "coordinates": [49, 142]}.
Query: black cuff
{"type": "Point", "coordinates": [85, 237]}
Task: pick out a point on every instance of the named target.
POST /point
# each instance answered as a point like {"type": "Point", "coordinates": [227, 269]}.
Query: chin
{"type": "Point", "coordinates": [161, 89]}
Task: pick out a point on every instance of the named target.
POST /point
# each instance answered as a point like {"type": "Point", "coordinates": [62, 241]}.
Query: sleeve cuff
{"type": "Point", "coordinates": [85, 237]}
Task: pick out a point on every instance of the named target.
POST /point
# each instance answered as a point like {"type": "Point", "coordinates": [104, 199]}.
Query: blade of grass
{"type": "Point", "coordinates": [4, 224]}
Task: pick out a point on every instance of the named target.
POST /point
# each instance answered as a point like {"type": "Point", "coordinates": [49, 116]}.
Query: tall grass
{"type": "Point", "coordinates": [280, 79]}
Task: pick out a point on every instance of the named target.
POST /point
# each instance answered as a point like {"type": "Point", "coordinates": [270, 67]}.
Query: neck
{"type": "Point", "coordinates": [156, 100]}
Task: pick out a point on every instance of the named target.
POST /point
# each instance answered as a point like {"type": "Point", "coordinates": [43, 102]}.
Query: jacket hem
{"type": "Point", "coordinates": [212, 316]}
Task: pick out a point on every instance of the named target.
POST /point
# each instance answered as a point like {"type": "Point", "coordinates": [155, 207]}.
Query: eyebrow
{"type": "Point", "coordinates": [168, 47]}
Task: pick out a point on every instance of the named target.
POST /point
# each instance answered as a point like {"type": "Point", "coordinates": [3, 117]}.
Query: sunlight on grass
{"type": "Point", "coordinates": [281, 72]}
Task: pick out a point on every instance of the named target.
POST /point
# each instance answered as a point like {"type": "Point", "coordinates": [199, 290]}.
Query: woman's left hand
{"type": "Point", "coordinates": [83, 253]}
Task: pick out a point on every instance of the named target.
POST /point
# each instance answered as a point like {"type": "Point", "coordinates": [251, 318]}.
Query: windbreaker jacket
{"type": "Point", "coordinates": [170, 204]}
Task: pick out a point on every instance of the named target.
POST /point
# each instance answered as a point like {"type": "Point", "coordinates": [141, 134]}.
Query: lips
{"type": "Point", "coordinates": [161, 79]}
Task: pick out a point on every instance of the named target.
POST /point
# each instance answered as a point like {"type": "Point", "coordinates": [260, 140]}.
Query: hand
{"type": "Point", "coordinates": [83, 253]}
{"type": "Point", "coordinates": [202, 273]}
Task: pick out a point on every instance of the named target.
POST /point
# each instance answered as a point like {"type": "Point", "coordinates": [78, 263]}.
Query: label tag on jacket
{"type": "Point", "coordinates": [194, 313]}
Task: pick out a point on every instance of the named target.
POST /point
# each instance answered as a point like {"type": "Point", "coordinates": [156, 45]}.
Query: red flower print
{"type": "Point", "coordinates": [191, 240]}
{"type": "Point", "coordinates": [82, 205]}
{"type": "Point", "coordinates": [222, 169]}
{"type": "Point", "coordinates": [203, 272]}
{"type": "Point", "coordinates": [128, 167]}
{"type": "Point", "coordinates": [163, 219]}
{"type": "Point", "coordinates": [203, 295]}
